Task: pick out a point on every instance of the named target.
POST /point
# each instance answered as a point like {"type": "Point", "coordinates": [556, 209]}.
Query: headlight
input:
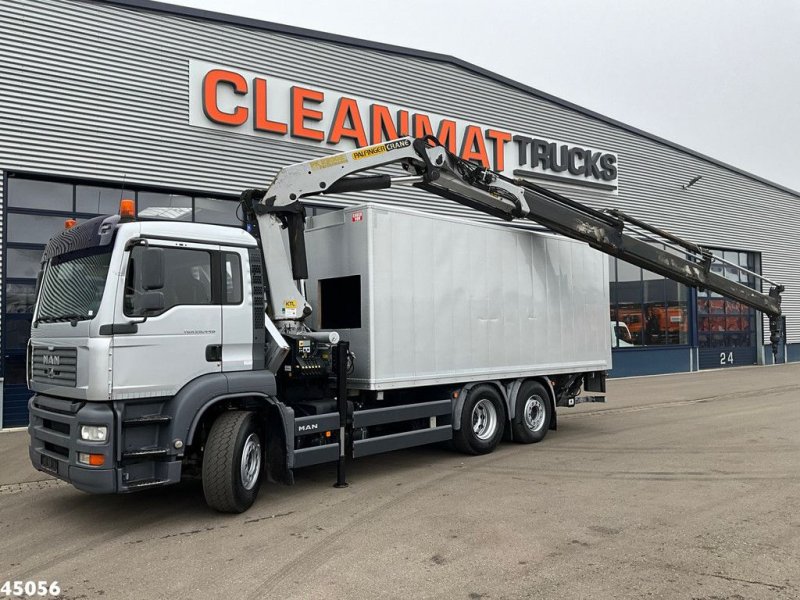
{"type": "Point", "coordinates": [94, 433]}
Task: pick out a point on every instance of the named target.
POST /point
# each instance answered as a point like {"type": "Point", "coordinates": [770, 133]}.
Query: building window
{"type": "Point", "coordinates": [646, 309]}
{"type": "Point", "coordinates": [99, 200]}
{"type": "Point", "coordinates": [35, 194]}
{"type": "Point", "coordinates": [23, 263]}
{"type": "Point", "coordinates": [722, 322]}
{"type": "Point", "coordinates": [175, 207]}
{"type": "Point", "coordinates": [32, 228]}
{"type": "Point", "coordinates": [36, 210]}
{"type": "Point", "coordinates": [217, 211]}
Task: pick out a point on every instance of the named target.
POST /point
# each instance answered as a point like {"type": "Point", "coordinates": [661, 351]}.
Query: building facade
{"type": "Point", "coordinates": [182, 108]}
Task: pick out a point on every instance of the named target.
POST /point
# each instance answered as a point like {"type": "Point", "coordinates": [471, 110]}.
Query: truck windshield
{"type": "Point", "coordinates": [73, 284]}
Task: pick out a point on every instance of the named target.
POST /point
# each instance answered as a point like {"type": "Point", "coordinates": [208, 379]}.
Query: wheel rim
{"type": "Point", "coordinates": [484, 419]}
{"type": "Point", "coordinates": [251, 461]}
{"type": "Point", "coordinates": [534, 413]}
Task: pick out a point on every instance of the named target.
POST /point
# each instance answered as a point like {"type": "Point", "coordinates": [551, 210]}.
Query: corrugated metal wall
{"type": "Point", "coordinates": [2, 276]}
{"type": "Point", "coordinates": [95, 90]}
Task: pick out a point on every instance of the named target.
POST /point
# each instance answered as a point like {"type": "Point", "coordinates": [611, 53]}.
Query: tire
{"type": "Point", "coordinates": [233, 462]}
{"type": "Point", "coordinates": [482, 421]}
{"type": "Point", "coordinates": [532, 413]}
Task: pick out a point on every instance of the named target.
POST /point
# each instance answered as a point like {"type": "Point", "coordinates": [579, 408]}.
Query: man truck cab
{"type": "Point", "coordinates": [130, 313]}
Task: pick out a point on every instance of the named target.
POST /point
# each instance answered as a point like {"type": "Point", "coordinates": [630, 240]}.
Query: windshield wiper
{"type": "Point", "coordinates": [61, 318]}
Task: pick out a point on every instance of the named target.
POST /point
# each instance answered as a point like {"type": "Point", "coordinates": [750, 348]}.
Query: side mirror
{"type": "Point", "coordinates": [151, 302]}
{"type": "Point", "coordinates": [153, 269]}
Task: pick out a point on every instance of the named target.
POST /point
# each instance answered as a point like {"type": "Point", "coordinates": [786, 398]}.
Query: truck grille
{"type": "Point", "coordinates": [57, 366]}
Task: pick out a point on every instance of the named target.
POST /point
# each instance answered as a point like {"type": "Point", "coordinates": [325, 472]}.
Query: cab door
{"type": "Point", "coordinates": [157, 352]}
{"type": "Point", "coordinates": [237, 311]}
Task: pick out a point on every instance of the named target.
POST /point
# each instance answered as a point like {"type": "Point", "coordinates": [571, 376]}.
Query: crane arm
{"type": "Point", "coordinates": [431, 167]}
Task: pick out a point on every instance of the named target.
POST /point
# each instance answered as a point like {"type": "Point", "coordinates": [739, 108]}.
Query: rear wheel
{"type": "Point", "coordinates": [532, 413]}
{"type": "Point", "coordinates": [232, 462]}
{"type": "Point", "coordinates": [482, 421]}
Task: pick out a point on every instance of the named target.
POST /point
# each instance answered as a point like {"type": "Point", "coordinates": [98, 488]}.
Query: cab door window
{"type": "Point", "coordinates": [187, 281]}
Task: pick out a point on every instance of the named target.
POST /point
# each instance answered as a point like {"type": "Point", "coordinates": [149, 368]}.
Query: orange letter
{"type": "Point", "coordinates": [210, 83]}
{"type": "Point", "coordinates": [473, 147]}
{"type": "Point", "coordinates": [422, 125]}
{"type": "Point", "coordinates": [347, 109]}
{"type": "Point", "coordinates": [300, 113]}
{"type": "Point", "coordinates": [402, 122]}
{"type": "Point", "coordinates": [381, 123]}
{"type": "Point", "coordinates": [499, 139]}
{"type": "Point", "coordinates": [447, 134]}
{"type": "Point", "coordinates": [262, 123]}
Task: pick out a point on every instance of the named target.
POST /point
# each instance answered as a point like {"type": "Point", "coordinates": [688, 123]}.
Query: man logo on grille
{"type": "Point", "coordinates": [51, 359]}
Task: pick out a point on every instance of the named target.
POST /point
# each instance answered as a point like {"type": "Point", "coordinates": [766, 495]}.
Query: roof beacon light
{"type": "Point", "coordinates": [70, 223]}
{"type": "Point", "coordinates": [127, 209]}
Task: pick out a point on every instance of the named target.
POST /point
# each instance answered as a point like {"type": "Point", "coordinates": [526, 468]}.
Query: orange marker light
{"type": "Point", "coordinates": [70, 223]}
{"type": "Point", "coordinates": [94, 460]}
{"type": "Point", "coordinates": [127, 208]}
{"type": "Point", "coordinates": [327, 434]}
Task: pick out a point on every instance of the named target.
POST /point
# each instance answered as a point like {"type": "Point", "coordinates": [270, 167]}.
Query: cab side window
{"type": "Point", "coordinates": [187, 280]}
{"type": "Point", "coordinates": [232, 274]}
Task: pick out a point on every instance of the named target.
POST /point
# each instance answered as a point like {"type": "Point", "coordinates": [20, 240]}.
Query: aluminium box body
{"type": "Point", "coordinates": [445, 300]}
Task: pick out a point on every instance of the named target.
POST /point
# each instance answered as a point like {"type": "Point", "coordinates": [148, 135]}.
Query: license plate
{"type": "Point", "coordinates": [49, 464]}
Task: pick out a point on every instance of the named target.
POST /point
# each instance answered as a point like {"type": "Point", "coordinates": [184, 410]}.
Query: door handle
{"type": "Point", "coordinates": [214, 352]}
{"type": "Point", "coordinates": [118, 328]}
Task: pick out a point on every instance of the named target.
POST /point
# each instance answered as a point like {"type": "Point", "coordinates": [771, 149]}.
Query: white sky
{"type": "Point", "coordinates": [721, 77]}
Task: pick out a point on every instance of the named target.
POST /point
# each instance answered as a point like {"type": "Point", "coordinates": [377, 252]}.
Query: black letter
{"type": "Point", "coordinates": [539, 154]}
{"type": "Point", "coordinates": [607, 163]}
{"type": "Point", "coordinates": [554, 164]}
{"type": "Point", "coordinates": [522, 147]}
{"type": "Point", "coordinates": [590, 166]}
{"type": "Point", "coordinates": [573, 154]}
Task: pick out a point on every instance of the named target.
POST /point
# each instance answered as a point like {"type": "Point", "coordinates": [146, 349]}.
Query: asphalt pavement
{"type": "Point", "coordinates": [683, 486]}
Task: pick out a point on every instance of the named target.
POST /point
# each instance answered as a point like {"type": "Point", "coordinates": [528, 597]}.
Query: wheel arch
{"type": "Point", "coordinates": [464, 392]}
{"type": "Point", "coordinates": [208, 411]}
{"type": "Point", "coordinates": [202, 398]}
{"type": "Point", "coordinates": [513, 388]}
{"type": "Point", "coordinates": [277, 422]}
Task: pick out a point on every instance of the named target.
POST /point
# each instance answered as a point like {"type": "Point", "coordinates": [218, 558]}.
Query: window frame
{"type": "Point", "coordinates": [753, 331]}
{"type": "Point", "coordinates": [214, 277]}
{"type": "Point", "coordinates": [641, 336]}
{"type": "Point", "coordinates": [127, 189]}
{"type": "Point", "coordinates": [224, 300]}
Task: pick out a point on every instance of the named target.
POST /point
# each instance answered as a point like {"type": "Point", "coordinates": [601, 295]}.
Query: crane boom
{"type": "Point", "coordinates": [433, 168]}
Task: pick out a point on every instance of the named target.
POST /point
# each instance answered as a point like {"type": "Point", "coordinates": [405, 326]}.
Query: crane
{"type": "Point", "coordinates": [430, 166]}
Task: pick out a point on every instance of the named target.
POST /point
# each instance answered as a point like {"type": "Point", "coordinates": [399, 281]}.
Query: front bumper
{"type": "Point", "coordinates": [55, 443]}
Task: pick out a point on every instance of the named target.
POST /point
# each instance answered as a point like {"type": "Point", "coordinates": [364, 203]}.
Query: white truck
{"type": "Point", "coordinates": [163, 349]}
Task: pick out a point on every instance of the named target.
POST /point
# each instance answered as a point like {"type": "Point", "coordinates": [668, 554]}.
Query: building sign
{"type": "Point", "coordinates": [231, 99]}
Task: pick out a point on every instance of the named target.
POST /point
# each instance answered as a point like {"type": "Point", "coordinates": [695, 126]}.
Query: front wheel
{"type": "Point", "coordinates": [232, 462]}
{"type": "Point", "coordinates": [482, 421]}
{"type": "Point", "coordinates": [532, 413]}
